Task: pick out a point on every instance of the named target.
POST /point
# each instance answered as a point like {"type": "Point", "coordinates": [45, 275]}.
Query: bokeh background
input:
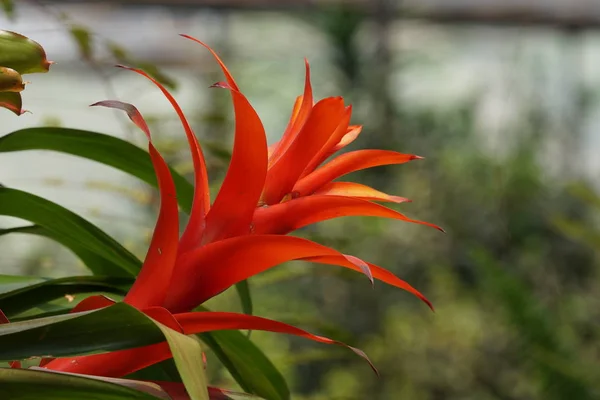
{"type": "Point", "coordinates": [500, 97]}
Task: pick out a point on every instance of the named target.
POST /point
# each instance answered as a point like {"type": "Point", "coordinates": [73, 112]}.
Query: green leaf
{"type": "Point", "coordinates": [163, 371]}
{"type": "Point", "coordinates": [27, 384]}
{"type": "Point", "coordinates": [67, 227]}
{"type": "Point", "coordinates": [25, 297]}
{"type": "Point", "coordinates": [98, 264]}
{"type": "Point", "coordinates": [98, 147]}
{"type": "Point", "coordinates": [22, 54]}
{"type": "Point", "coordinates": [9, 8]}
{"type": "Point", "coordinates": [83, 38]}
{"type": "Point", "coordinates": [112, 328]}
{"type": "Point", "coordinates": [243, 291]}
{"type": "Point", "coordinates": [8, 283]}
{"type": "Point", "coordinates": [248, 365]}
{"type": "Point", "coordinates": [10, 80]}
{"type": "Point", "coordinates": [187, 353]}
{"type": "Point", "coordinates": [12, 101]}
{"type": "Point", "coordinates": [123, 57]}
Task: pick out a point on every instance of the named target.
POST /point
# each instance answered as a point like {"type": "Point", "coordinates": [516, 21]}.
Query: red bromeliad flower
{"type": "Point", "coordinates": [267, 192]}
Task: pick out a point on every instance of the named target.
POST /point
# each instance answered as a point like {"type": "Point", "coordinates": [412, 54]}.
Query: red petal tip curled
{"type": "Point", "coordinates": [221, 85]}
{"type": "Point", "coordinates": [122, 66]}
{"type": "Point", "coordinates": [364, 267]}
{"type": "Point", "coordinates": [362, 354]}
{"type": "Point", "coordinates": [415, 157]}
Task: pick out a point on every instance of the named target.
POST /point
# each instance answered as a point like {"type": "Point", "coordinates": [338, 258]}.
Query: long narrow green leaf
{"type": "Point", "coordinates": [112, 328]}
{"type": "Point", "coordinates": [243, 291]}
{"type": "Point", "coordinates": [25, 297]}
{"type": "Point", "coordinates": [25, 384]}
{"type": "Point", "coordinates": [98, 147]}
{"type": "Point", "coordinates": [8, 283]}
{"type": "Point", "coordinates": [187, 353]}
{"type": "Point", "coordinates": [98, 264]}
{"type": "Point", "coordinates": [247, 364]}
{"type": "Point", "coordinates": [71, 230]}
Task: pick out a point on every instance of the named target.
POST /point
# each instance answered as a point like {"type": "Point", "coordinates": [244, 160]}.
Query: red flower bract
{"type": "Point", "coordinates": [267, 192]}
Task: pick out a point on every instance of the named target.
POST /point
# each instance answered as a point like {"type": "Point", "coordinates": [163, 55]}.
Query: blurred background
{"type": "Point", "coordinates": [502, 98]}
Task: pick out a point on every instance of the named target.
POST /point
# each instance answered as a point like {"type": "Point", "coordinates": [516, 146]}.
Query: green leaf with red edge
{"type": "Point", "coordinates": [68, 227]}
{"type": "Point", "coordinates": [98, 147]}
{"type": "Point", "coordinates": [12, 101]}
{"type": "Point", "coordinates": [28, 384]}
{"type": "Point", "coordinates": [22, 54]}
{"type": "Point", "coordinates": [97, 263]}
{"type": "Point", "coordinates": [10, 80]}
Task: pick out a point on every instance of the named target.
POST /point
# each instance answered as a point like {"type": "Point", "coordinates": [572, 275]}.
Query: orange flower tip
{"type": "Point", "coordinates": [123, 66]}
{"type": "Point", "coordinates": [398, 199]}
{"type": "Point", "coordinates": [221, 85]}
{"type": "Point", "coordinates": [187, 36]}
{"type": "Point", "coordinates": [415, 157]}
{"type": "Point", "coordinates": [424, 299]}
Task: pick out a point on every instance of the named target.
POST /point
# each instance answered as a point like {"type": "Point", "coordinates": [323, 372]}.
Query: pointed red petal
{"type": "Point", "coordinates": [234, 206]}
{"type": "Point", "coordinates": [198, 322]}
{"type": "Point", "coordinates": [226, 72]}
{"type": "Point", "coordinates": [207, 271]}
{"type": "Point", "coordinates": [3, 318]}
{"type": "Point", "coordinates": [356, 190]}
{"type": "Point", "coordinates": [152, 282]}
{"type": "Point", "coordinates": [349, 137]}
{"type": "Point", "coordinates": [325, 118]}
{"type": "Point", "coordinates": [346, 163]}
{"type": "Point", "coordinates": [378, 273]}
{"type": "Point", "coordinates": [93, 303]}
{"type": "Point", "coordinates": [351, 134]}
{"type": "Point", "coordinates": [286, 217]}
{"type": "Point", "coordinates": [323, 153]}
{"type": "Point", "coordinates": [201, 204]}
{"type": "Point", "coordinates": [114, 364]}
{"type": "Point", "coordinates": [300, 113]}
